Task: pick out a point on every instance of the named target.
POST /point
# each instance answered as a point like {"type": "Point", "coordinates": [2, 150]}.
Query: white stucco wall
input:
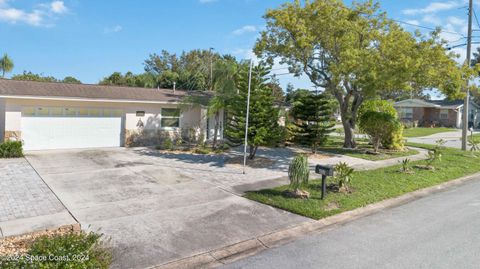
{"type": "Point", "coordinates": [151, 120]}
{"type": "Point", "coordinates": [473, 111]}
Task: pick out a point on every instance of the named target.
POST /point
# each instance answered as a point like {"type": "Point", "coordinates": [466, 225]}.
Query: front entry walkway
{"type": "Point", "coordinates": [26, 202]}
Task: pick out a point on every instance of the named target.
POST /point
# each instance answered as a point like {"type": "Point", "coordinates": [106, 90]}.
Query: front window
{"type": "Point", "coordinates": [170, 117]}
{"type": "Point", "coordinates": [443, 114]}
{"type": "Point", "coordinates": [406, 113]}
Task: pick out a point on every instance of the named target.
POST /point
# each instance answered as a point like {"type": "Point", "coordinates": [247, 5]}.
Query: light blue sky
{"type": "Point", "coordinates": [90, 39]}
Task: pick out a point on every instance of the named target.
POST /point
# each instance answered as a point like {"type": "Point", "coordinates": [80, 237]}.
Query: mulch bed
{"type": "Point", "coordinates": [18, 245]}
{"type": "Point", "coordinates": [258, 162]}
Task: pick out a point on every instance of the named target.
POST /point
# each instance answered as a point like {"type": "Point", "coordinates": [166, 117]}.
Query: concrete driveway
{"type": "Point", "coordinates": [160, 207]}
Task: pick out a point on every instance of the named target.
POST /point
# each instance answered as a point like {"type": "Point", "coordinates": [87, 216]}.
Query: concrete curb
{"type": "Point", "coordinates": [231, 253]}
{"type": "Point", "coordinates": [67, 227]}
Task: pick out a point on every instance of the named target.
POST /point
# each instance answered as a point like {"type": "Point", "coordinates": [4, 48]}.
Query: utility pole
{"type": "Point", "coordinates": [211, 69]}
{"type": "Point", "coordinates": [467, 97]}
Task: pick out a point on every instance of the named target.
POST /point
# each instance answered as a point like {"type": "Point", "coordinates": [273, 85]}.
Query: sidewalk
{"type": "Point", "coordinates": [362, 164]}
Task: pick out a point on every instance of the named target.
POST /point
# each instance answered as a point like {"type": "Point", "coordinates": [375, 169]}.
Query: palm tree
{"type": "Point", "coordinates": [224, 87]}
{"type": "Point", "coordinates": [6, 65]}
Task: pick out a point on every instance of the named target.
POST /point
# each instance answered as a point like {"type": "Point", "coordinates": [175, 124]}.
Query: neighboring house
{"type": "Point", "coordinates": [59, 115]}
{"type": "Point", "coordinates": [436, 113]}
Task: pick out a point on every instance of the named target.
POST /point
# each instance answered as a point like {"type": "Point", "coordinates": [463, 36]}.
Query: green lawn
{"type": "Point", "coordinates": [371, 186]}
{"type": "Point", "coordinates": [334, 145]}
{"type": "Point", "coordinates": [421, 131]}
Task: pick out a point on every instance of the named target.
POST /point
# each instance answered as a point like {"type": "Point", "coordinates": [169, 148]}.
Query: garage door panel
{"type": "Point", "coordinates": [71, 132]}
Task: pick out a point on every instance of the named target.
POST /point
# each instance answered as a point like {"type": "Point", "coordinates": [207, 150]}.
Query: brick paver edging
{"type": "Point", "coordinates": [252, 246]}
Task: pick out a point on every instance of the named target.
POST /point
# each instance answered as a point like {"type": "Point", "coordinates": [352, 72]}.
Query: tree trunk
{"type": "Point", "coordinates": [376, 144]}
{"type": "Point", "coordinates": [349, 140]}
{"type": "Point", "coordinates": [348, 114]}
{"type": "Point", "coordinates": [215, 132]}
{"type": "Point", "coordinates": [253, 151]}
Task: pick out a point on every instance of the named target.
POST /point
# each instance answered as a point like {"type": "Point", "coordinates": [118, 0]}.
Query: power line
{"type": "Point", "coordinates": [476, 18]}
{"type": "Point", "coordinates": [428, 28]}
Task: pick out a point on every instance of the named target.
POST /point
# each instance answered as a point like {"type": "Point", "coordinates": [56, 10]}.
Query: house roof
{"type": "Point", "coordinates": [445, 104]}
{"type": "Point", "coordinates": [414, 103]}
{"type": "Point", "coordinates": [17, 88]}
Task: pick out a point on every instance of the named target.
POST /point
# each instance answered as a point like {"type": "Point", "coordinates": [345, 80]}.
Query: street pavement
{"type": "Point", "coordinates": [438, 231]}
{"type": "Point", "coordinates": [453, 139]}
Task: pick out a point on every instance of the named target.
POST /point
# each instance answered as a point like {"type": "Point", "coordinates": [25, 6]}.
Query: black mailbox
{"type": "Point", "coordinates": [325, 171]}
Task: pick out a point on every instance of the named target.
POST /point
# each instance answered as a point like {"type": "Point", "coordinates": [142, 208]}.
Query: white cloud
{"type": "Point", "coordinates": [433, 8]}
{"type": "Point", "coordinates": [13, 15]}
{"type": "Point", "coordinates": [432, 19]}
{"type": "Point", "coordinates": [114, 29]}
{"type": "Point", "coordinates": [58, 7]}
{"type": "Point", "coordinates": [245, 29]}
{"type": "Point", "coordinates": [415, 22]}
{"type": "Point", "coordinates": [456, 21]}
{"type": "Point", "coordinates": [41, 15]}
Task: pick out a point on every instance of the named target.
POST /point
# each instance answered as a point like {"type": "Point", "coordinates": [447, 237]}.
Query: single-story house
{"type": "Point", "coordinates": [436, 113]}
{"type": "Point", "coordinates": [48, 115]}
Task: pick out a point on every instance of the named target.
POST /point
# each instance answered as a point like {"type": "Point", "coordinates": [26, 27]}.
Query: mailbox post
{"type": "Point", "coordinates": [325, 171]}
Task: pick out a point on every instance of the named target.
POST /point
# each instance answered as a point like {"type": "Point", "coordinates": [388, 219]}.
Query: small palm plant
{"type": "Point", "coordinates": [298, 173]}
{"type": "Point", "coordinates": [343, 175]}
{"type": "Point", "coordinates": [473, 143]}
{"type": "Point", "coordinates": [435, 154]}
{"type": "Point", "coordinates": [406, 165]}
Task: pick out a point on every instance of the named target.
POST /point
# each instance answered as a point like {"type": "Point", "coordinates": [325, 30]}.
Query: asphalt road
{"type": "Point", "coordinates": [438, 231]}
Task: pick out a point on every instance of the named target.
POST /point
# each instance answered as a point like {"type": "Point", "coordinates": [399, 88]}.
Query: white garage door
{"type": "Point", "coordinates": [63, 128]}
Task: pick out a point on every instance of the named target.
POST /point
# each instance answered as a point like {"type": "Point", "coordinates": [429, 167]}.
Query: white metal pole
{"type": "Point", "coordinates": [246, 119]}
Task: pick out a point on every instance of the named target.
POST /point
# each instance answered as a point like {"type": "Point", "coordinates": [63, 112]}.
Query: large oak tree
{"type": "Point", "coordinates": [355, 53]}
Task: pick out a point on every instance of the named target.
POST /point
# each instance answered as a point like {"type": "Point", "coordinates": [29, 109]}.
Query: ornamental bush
{"type": "Point", "coordinates": [298, 172]}
{"type": "Point", "coordinates": [390, 130]}
{"type": "Point", "coordinates": [75, 251]}
{"type": "Point", "coordinates": [11, 149]}
{"type": "Point", "coordinates": [377, 106]}
{"type": "Point", "coordinates": [394, 140]}
{"type": "Point", "coordinates": [383, 129]}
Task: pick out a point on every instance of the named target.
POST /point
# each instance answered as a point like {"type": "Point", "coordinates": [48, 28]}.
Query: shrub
{"type": "Point", "coordinates": [406, 165]}
{"type": "Point", "coordinates": [394, 140]}
{"type": "Point", "coordinates": [473, 143]}
{"type": "Point", "coordinates": [298, 171]}
{"type": "Point", "coordinates": [202, 151]}
{"type": "Point", "coordinates": [377, 106]}
{"type": "Point", "coordinates": [167, 143]}
{"type": "Point", "coordinates": [343, 173]}
{"type": "Point", "coordinates": [383, 128]}
{"type": "Point", "coordinates": [224, 147]}
{"type": "Point", "coordinates": [436, 153]}
{"type": "Point", "coordinates": [11, 149]}
{"type": "Point", "coordinates": [83, 250]}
